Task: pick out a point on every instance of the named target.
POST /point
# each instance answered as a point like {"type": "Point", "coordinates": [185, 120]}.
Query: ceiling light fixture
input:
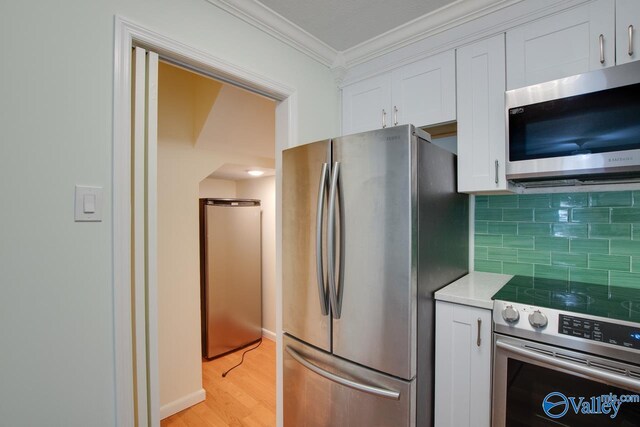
{"type": "Point", "coordinates": [255, 172]}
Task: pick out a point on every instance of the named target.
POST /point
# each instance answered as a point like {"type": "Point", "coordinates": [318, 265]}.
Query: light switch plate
{"type": "Point", "coordinates": [88, 199]}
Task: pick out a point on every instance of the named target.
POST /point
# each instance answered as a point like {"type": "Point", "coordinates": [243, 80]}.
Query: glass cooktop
{"type": "Point", "coordinates": [577, 297]}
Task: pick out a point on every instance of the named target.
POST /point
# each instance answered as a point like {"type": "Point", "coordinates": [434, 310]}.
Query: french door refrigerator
{"type": "Point", "coordinates": [372, 227]}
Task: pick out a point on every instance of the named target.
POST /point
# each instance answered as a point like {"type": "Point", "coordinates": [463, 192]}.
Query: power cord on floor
{"type": "Point", "coordinates": [242, 360]}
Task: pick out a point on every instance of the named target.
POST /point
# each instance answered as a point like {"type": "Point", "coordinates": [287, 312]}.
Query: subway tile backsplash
{"type": "Point", "coordinates": [585, 237]}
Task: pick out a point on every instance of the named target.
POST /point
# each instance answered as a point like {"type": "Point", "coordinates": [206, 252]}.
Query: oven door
{"type": "Point", "coordinates": [539, 385]}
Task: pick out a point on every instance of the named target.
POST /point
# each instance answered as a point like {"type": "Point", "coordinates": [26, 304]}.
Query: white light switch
{"type": "Point", "coordinates": [88, 203]}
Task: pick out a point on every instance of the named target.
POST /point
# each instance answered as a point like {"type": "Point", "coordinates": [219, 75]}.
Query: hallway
{"type": "Point", "coordinates": [245, 397]}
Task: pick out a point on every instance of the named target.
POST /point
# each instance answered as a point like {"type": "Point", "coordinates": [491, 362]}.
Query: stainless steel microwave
{"type": "Point", "coordinates": [579, 129]}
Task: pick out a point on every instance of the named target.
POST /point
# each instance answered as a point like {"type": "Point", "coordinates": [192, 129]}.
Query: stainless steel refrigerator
{"type": "Point", "coordinates": [230, 274]}
{"type": "Point", "coordinates": [372, 227]}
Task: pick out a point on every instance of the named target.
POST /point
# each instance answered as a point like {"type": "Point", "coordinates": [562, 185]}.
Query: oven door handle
{"type": "Point", "coordinates": [607, 377]}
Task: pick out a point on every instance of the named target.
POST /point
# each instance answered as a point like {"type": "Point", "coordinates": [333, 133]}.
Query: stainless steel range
{"type": "Point", "coordinates": [566, 354]}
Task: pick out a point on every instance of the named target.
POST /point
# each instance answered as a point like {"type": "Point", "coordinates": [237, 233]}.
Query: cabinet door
{"type": "Point", "coordinates": [572, 42]}
{"type": "Point", "coordinates": [481, 116]}
{"type": "Point", "coordinates": [424, 92]}
{"type": "Point", "coordinates": [627, 31]}
{"type": "Point", "coordinates": [463, 366]}
{"type": "Point", "coordinates": [366, 105]}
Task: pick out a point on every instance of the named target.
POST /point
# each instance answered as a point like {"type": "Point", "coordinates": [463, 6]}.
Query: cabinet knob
{"type": "Point", "coordinates": [601, 41]}
{"type": "Point", "coordinates": [630, 52]}
{"type": "Point", "coordinates": [395, 115]}
{"type": "Point", "coordinates": [384, 119]}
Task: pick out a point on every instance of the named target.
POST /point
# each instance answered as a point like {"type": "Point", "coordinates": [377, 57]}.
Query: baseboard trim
{"type": "Point", "coordinates": [268, 334]}
{"type": "Point", "coordinates": [182, 403]}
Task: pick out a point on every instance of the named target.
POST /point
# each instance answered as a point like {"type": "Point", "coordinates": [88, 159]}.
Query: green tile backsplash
{"type": "Point", "coordinates": [586, 237]}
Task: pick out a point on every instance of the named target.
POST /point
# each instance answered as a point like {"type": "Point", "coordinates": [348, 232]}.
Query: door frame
{"type": "Point", "coordinates": [127, 36]}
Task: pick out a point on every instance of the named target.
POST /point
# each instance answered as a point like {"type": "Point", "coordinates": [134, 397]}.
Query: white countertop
{"type": "Point", "coordinates": [474, 289]}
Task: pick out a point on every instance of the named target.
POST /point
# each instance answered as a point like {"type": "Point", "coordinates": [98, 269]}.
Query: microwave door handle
{"type": "Point", "coordinates": [610, 378]}
{"type": "Point", "coordinates": [319, 219]}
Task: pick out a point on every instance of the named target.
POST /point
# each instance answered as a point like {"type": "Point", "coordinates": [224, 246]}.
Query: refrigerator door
{"type": "Point", "coordinates": [321, 390]}
{"type": "Point", "coordinates": [233, 290]}
{"type": "Point", "coordinates": [375, 269]}
{"type": "Point", "coordinates": [305, 175]}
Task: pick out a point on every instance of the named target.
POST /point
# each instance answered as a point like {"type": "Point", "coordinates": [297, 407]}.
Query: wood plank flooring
{"type": "Point", "coordinates": [245, 397]}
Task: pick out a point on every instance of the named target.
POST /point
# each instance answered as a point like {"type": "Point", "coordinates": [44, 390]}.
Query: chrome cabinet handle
{"type": "Point", "coordinates": [588, 371]}
{"type": "Point", "coordinates": [630, 40]}
{"type": "Point", "coordinates": [497, 167]}
{"type": "Point", "coordinates": [395, 115]}
{"type": "Point", "coordinates": [384, 119]}
{"type": "Point", "coordinates": [601, 40]}
{"type": "Point", "coordinates": [331, 241]}
{"type": "Point", "coordinates": [376, 391]}
{"type": "Point", "coordinates": [479, 340]}
{"type": "Point", "coordinates": [319, 216]}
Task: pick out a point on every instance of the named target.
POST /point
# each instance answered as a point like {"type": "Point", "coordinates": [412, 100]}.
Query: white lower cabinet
{"type": "Point", "coordinates": [463, 366]}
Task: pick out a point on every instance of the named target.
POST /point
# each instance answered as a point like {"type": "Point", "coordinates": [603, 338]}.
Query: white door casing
{"type": "Point", "coordinates": [127, 173]}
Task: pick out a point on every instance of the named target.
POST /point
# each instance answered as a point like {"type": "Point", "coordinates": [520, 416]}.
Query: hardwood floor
{"type": "Point", "coordinates": [245, 397]}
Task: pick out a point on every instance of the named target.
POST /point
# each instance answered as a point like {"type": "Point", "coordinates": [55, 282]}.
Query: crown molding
{"type": "Point", "coordinates": [457, 13]}
{"type": "Point", "coordinates": [438, 21]}
{"type": "Point", "coordinates": [255, 13]}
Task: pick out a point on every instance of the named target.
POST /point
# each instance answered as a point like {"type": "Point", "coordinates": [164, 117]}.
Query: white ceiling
{"type": "Point", "coordinates": [234, 172]}
{"type": "Point", "coordinates": [343, 24]}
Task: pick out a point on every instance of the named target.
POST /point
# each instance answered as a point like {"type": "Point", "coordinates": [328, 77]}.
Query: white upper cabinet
{"type": "Point", "coordinates": [572, 42]}
{"type": "Point", "coordinates": [481, 116]}
{"type": "Point", "coordinates": [366, 105]}
{"type": "Point", "coordinates": [627, 31]}
{"type": "Point", "coordinates": [424, 92]}
{"type": "Point", "coordinates": [421, 93]}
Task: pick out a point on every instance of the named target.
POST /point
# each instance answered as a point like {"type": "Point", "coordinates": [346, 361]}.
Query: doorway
{"type": "Point", "coordinates": [137, 371]}
{"type": "Point", "coordinates": [210, 135]}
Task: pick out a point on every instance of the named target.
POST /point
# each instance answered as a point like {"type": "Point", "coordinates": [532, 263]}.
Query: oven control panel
{"type": "Point", "coordinates": [595, 330]}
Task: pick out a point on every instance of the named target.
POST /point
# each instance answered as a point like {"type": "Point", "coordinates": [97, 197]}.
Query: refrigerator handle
{"type": "Point", "coordinates": [319, 215]}
{"type": "Point", "coordinates": [331, 241]}
{"type": "Point", "coordinates": [376, 391]}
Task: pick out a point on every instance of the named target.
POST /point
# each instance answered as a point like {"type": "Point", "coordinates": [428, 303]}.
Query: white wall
{"type": "Point", "coordinates": [56, 109]}
{"type": "Point", "coordinates": [217, 188]}
{"type": "Point", "coordinates": [264, 189]}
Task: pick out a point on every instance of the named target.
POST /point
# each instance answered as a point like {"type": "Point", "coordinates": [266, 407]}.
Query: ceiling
{"type": "Point", "coordinates": [343, 24]}
{"type": "Point", "coordinates": [235, 172]}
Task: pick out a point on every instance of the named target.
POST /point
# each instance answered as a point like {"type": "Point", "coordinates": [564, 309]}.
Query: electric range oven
{"type": "Point", "coordinates": [566, 354]}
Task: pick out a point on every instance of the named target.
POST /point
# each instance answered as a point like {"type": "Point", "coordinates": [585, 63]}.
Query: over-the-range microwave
{"type": "Point", "coordinates": [579, 129]}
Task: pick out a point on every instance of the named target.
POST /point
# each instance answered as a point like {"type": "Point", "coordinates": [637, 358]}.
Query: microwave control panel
{"type": "Point", "coordinates": [595, 330]}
